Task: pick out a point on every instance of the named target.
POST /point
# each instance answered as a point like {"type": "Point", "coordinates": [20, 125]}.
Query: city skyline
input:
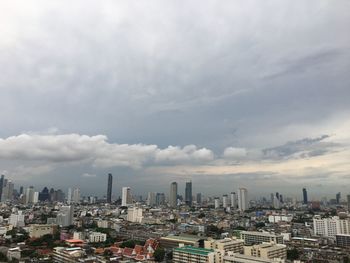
{"type": "Point", "coordinates": [238, 94]}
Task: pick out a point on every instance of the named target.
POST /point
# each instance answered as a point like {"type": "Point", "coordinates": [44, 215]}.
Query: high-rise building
{"type": "Point", "coordinates": [29, 195]}
{"type": "Point", "coordinates": [348, 199]}
{"type": "Point", "coordinates": [216, 203]}
{"type": "Point", "coordinates": [44, 195]}
{"type": "Point", "coordinates": [199, 198]}
{"type": "Point", "coordinates": [7, 190]}
{"type": "Point", "coordinates": [76, 195]}
{"type": "Point", "coordinates": [160, 199]}
{"type": "Point", "coordinates": [188, 193]}
{"type": "Point", "coordinates": [233, 200]}
{"type": "Point", "coordinates": [305, 201]}
{"type": "Point", "coordinates": [126, 196]}
{"type": "Point", "coordinates": [151, 199]}
{"type": "Point", "coordinates": [224, 201]}
{"type": "Point", "coordinates": [69, 196]}
{"type": "Point", "coordinates": [65, 216]}
{"type": "Point", "coordinates": [173, 194]}
{"type": "Point", "coordinates": [337, 198]}
{"type": "Point", "coordinates": [2, 179]}
{"type": "Point", "coordinates": [242, 199]}
{"type": "Point", "coordinates": [330, 227]}
{"type": "Point", "coordinates": [109, 188]}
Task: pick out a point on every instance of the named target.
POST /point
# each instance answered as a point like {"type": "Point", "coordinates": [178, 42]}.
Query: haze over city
{"type": "Point", "coordinates": [227, 94]}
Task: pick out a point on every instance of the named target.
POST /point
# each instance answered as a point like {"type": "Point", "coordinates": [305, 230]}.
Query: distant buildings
{"type": "Point", "coordinates": [233, 200]}
{"type": "Point", "coordinates": [173, 195]}
{"type": "Point", "coordinates": [188, 193]}
{"type": "Point", "coordinates": [76, 196]}
{"type": "Point", "coordinates": [109, 188]}
{"type": "Point", "coordinates": [151, 199]}
{"type": "Point", "coordinates": [242, 199]}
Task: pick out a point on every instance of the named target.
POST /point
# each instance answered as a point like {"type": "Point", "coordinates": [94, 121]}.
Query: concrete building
{"type": "Point", "coordinates": [151, 199]}
{"type": "Point", "coordinates": [330, 227]}
{"type": "Point", "coordinates": [76, 196]}
{"type": "Point", "coordinates": [233, 200]}
{"type": "Point", "coordinates": [243, 199]}
{"type": "Point", "coordinates": [267, 251]}
{"type": "Point", "coordinates": [36, 231]}
{"type": "Point", "coordinates": [96, 237]}
{"type": "Point", "coordinates": [65, 216]}
{"type": "Point", "coordinates": [135, 214]}
{"type": "Point", "coordinates": [280, 218]}
{"type": "Point", "coordinates": [109, 188]}
{"type": "Point", "coordinates": [224, 201]}
{"type": "Point", "coordinates": [239, 258]}
{"type": "Point", "coordinates": [342, 240]}
{"type": "Point", "coordinates": [17, 220]}
{"type": "Point", "coordinates": [67, 255]}
{"type": "Point", "coordinates": [172, 241]}
{"type": "Point", "coordinates": [255, 237]}
{"type": "Point", "coordinates": [126, 196]}
{"type": "Point", "coordinates": [188, 193]}
{"type": "Point", "coordinates": [225, 245]}
{"type": "Point", "coordinates": [173, 195]}
{"type": "Point", "coordinates": [216, 203]}
{"type": "Point", "coordinates": [194, 254]}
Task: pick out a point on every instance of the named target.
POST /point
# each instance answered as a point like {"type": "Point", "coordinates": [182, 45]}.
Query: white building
{"type": "Point", "coordinates": [135, 214]}
{"type": "Point", "coordinates": [280, 218]}
{"type": "Point", "coordinates": [35, 197]}
{"type": "Point", "coordinates": [96, 237]}
{"type": "Point", "coordinates": [29, 195]}
{"type": "Point", "coordinates": [239, 258]}
{"type": "Point", "coordinates": [224, 201]}
{"type": "Point", "coordinates": [151, 199]}
{"type": "Point", "coordinates": [267, 251]}
{"type": "Point", "coordinates": [69, 196]}
{"type": "Point", "coordinates": [126, 196]}
{"type": "Point", "coordinates": [242, 199]}
{"type": "Point", "coordinates": [255, 237]}
{"type": "Point", "coordinates": [76, 195]}
{"type": "Point", "coordinates": [65, 215]}
{"type": "Point", "coordinates": [330, 227]}
{"type": "Point", "coordinates": [216, 203]}
{"type": "Point", "coordinates": [17, 220]}
{"type": "Point", "coordinates": [225, 245]}
{"type": "Point", "coordinates": [233, 200]}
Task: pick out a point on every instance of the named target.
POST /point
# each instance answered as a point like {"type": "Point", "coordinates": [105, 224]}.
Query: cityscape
{"type": "Point", "coordinates": [175, 131]}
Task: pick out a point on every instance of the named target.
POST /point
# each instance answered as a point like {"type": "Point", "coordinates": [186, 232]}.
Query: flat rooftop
{"type": "Point", "coordinates": [194, 250]}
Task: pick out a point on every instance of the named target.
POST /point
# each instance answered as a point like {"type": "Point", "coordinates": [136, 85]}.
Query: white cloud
{"type": "Point", "coordinates": [95, 149]}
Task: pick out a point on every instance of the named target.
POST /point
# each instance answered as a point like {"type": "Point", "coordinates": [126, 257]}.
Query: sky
{"type": "Point", "coordinates": [227, 94]}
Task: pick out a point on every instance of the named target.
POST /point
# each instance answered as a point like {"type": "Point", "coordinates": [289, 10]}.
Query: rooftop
{"type": "Point", "coordinates": [194, 250]}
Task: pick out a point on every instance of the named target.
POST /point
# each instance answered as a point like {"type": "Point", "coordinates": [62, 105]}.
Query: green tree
{"type": "Point", "coordinates": [159, 254]}
{"type": "Point", "coordinates": [293, 254]}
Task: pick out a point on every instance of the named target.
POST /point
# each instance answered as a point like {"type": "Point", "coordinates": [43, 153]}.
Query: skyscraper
{"type": "Point", "coordinates": [305, 201]}
{"type": "Point", "coordinates": [173, 194]}
{"type": "Point", "coordinates": [1, 184]}
{"type": "Point", "coordinates": [76, 195]}
{"type": "Point", "coordinates": [109, 188]}
{"type": "Point", "coordinates": [233, 200]}
{"type": "Point", "coordinates": [126, 196]}
{"type": "Point", "coordinates": [348, 199]}
{"type": "Point", "coordinates": [242, 199]}
{"type": "Point", "coordinates": [188, 193]}
{"type": "Point", "coordinates": [224, 201]}
{"type": "Point", "coordinates": [199, 198]}
{"type": "Point", "coordinates": [337, 198]}
{"type": "Point", "coordinates": [69, 196]}
{"type": "Point", "coordinates": [151, 198]}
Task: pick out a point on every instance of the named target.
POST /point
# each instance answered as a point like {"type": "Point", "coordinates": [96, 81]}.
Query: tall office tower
{"type": "Point", "coordinates": [69, 196]}
{"type": "Point", "coordinates": [1, 184]}
{"type": "Point", "coordinates": [233, 200]}
{"type": "Point", "coordinates": [151, 198]}
{"type": "Point", "coordinates": [242, 199]}
{"type": "Point", "coordinates": [65, 216]}
{"type": "Point", "coordinates": [272, 198]}
{"type": "Point", "coordinates": [224, 201]}
{"type": "Point", "coordinates": [29, 195]}
{"type": "Point", "coordinates": [35, 197]}
{"type": "Point", "coordinates": [199, 198]}
{"type": "Point", "coordinates": [173, 194]}
{"type": "Point", "coordinates": [76, 195]}
{"type": "Point", "coordinates": [44, 195]}
{"type": "Point", "coordinates": [305, 201]}
{"type": "Point", "coordinates": [126, 196]}
{"type": "Point", "coordinates": [109, 188]}
{"type": "Point", "coordinates": [216, 203]}
{"type": "Point", "coordinates": [160, 199]}
{"type": "Point", "coordinates": [188, 193]}
{"type": "Point", "coordinates": [281, 198]}
{"type": "Point", "coordinates": [21, 190]}
{"type": "Point", "coordinates": [337, 198]}
{"type": "Point", "coordinates": [7, 190]}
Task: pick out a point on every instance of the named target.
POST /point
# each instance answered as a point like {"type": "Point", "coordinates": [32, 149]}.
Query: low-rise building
{"type": "Point", "coordinates": [239, 258]}
{"type": "Point", "coordinates": [267, 251]}
{"type": "Point", "coordinates": [226, 244]}
{"type": "Point", "coordinates": [96, 237]}
{"type": "Point", "coordinates": [194, 254]}
{"type": "Point", "coordinates": [37, 231]}
{"type": "Point", "coordinates": [255, 237]}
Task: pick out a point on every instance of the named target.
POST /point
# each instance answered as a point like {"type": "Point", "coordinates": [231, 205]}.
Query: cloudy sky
{"type": "Point", "coordinates": [225, 93]}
